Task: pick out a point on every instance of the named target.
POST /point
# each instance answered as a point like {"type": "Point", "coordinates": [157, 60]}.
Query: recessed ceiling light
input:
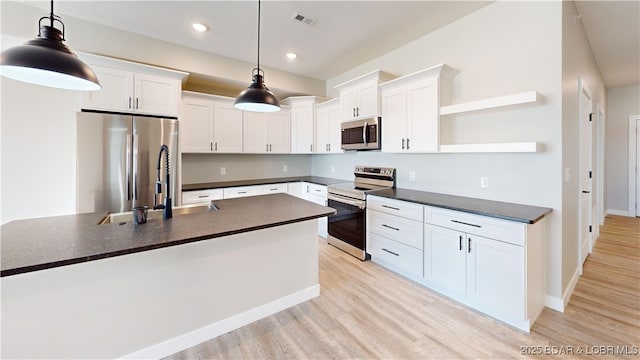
{"type": "Point", "coordinates": [291, 55]}
{"type": "Point", "coordinates": [199, 27]}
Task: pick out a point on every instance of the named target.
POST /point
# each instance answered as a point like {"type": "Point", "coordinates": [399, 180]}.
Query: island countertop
{"type": "Point", "coordinates": [43, 243]}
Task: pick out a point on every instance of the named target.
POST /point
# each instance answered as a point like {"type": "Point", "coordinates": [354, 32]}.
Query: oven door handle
{"type": "Point", "coordinates": [365, 128]}
{"type": "Point", "coordinates": [358, 203]}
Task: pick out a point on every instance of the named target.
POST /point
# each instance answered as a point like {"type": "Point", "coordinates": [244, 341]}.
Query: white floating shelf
{"type": "Point", "coordinates": [514, 99]}
{"type": "Point", "coordinates": [515, 147]}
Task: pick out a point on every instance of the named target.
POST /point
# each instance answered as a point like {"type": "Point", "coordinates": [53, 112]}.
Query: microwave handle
{"type": "Point", "coordinates": [364, 133]}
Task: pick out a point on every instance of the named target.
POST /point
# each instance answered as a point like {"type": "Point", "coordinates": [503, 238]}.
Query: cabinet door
{"type": "Point", "coordinates": [280, 132]}
{"type": "Point", "coordinates": [495, 276]}
{"type": "Point", "coordinates": [348, 102]}
{"type": "Point", "coordinates": [394, 115]}
{"type": "Point", "coordinates": [367, 99]}
{"type": "Point", "coordinates": [156, 95]}
{"type": "Point", "coordinates": [423, 124]}
{"type": "Point", "coordinates": [196, 125]}
{"type": "Point", "coordinates": [322, 130]}
{"type": "Point", "coordinates": [227, 128]}
{"type": "Point", "coordinates": [302, 128]}
{"type": "Point", "coordinates": [116, 93]}
{"type": "Point", "coordinates": [445, 259]}
{"type": "Point", "coordinates": [255, 128]}
{"type": "Point", "coordinates": [295, 189]}
{"type": "Point", "coordinates": [335, 134]}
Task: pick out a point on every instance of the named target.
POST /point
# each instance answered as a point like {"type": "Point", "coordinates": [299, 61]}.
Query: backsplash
{"type": "Point", "coordinates": [203, 168]}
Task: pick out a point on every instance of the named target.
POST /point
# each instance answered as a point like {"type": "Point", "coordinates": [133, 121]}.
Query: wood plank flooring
{"type": "Point", "coordinates": [367, 312]}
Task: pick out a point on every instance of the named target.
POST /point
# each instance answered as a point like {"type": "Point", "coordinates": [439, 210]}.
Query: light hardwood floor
{"type": "Point", "coordinates": [365, 311]}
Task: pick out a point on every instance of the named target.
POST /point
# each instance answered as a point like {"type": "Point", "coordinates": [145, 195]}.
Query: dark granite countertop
{"type": "Point", "coordinates": [225, 184]}
{"type": "Point", "coordinates": [38, 244]}
{"type": "Point", "coordinates": [502, 210]}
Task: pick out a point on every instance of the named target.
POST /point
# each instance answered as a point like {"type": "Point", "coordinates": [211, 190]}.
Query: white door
{"type": "Point", "coordinates": [116, 93]}
{"type": "Point", "coordinates": [280, 132]}
{"type": "Point", "coordinates": [255, 127]}
{"type": "Point", "coordinates": [302, 128]}
{"type": "Point", "coordinates": [322, 130]}
{"type": "Point", "coordinates": [423, 123]}
{"type": "Point", "coordinates": [156, 95]}
{"type": "Point", "coordinates": [394, 119]}
{"type": "Point", "coordinates": [585, 155]}
{"type": "Point", "coordinates": [196, 122]}
{"type": "Point", "coordinates": [367, 99]}
{"type": "Point", "coordinates": [335, 134]}
{"type": "Point", "coordinates": [637, 168]}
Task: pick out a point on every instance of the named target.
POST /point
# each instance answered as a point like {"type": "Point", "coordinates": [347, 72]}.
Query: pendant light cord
{"type": "Point", "coordinates": [51, 16]}
{"type": "Point", "coordinates": [258, 36]}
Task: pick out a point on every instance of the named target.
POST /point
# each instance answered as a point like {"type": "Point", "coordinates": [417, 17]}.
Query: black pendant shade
{"type": "Point", "coordinates": [257, 97]}
{"type": "Point", "coordinates": [46, 61]}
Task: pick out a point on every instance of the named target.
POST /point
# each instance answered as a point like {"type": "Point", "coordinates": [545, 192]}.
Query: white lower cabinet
{"type": "Point", "coordinates": [242, 191]}
{"type": "Point", "coordinates": [492, 265]}
{"type": "Point", "coordinates": [317, 194]}
{"type": "Point", "coordinates": [201, 196]}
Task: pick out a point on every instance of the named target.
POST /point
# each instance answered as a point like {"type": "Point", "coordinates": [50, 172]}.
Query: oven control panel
{"type": "Point", "coordinates": [374, 171]}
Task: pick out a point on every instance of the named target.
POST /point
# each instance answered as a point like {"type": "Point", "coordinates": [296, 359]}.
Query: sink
{"type": "Point", "coordinates": [126, 217]}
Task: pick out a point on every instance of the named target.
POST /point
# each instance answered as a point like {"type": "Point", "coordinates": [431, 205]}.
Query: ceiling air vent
{"type": "Point", "coordinates": [303, 19]}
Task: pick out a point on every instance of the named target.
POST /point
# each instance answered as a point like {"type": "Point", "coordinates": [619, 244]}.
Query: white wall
{"type": "Point", "coordinates": [622, 102]}
{"type": "Point", "coordinates": [38, 149]}
{"type": "Point", "coordinates": [577, 62]}
{"type": "Point", "coordinates": [504, 48]}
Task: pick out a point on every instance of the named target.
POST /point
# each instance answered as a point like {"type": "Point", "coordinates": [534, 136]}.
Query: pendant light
{"type": "Point", "coordinates": [46, 61]}
{"type": "Point", "coordinates": [257, 97]}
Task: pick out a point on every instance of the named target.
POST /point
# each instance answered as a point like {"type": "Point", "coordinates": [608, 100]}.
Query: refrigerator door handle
{"type": "Point", "coordinates": [135, 167]}
{"type": "Point", "coordinates": [128, 167]}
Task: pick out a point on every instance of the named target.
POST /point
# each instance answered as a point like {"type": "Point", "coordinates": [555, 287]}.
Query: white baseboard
{"type": "Point", "coordinates": [616, 212]}
{"type": "Point", "coordinates": [557, 304]}
{"type": "Point", "coordinates": [211, 331]}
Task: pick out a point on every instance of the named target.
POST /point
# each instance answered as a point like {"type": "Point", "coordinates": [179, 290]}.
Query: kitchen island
{"type": "Point", "coordinates": [75, 289]}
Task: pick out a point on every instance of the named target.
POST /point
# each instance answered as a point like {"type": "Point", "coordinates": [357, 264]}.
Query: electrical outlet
{"type": "Point", "coordinates": [484, 181]}
{"type": "Point", "coordinates": [223, 171]}
{"type": "Point", "coordinates": [333, 169]}
{"type": "Point", "coordinates": [284, 168]}
{"type": "Point", "coordinates": [412, 176]}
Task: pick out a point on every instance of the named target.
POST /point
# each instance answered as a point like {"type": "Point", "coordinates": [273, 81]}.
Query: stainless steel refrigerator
{"type": "Point", "coordinates": [117, 160]}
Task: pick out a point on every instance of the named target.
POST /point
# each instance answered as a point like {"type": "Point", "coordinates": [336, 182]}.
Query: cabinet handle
{"type": "Point", "coordinates": [390, 252]}
{"type": "Point", "coordinates": [311, 148]}
{"type": "Point", "coordinates": [464, 223]}
{"type": "Point", "coordinates": [216, 146]}
{"type": "Point", "coordinates": [390, 227]}
{"type": "Point", "coordinates": [586, 192]}
{"type": "Point", "coordinates": [391, 207]}
{"type": "Point", "coordinates": [266, 147]}
{"type": "Point", "coordinates": [129, 102]}
{"type": "Point", "coordinates": [242, 192]}
{"type": "Point", "coordinates": [469, 245]}
{"type": "Point", "coordinates": [137, 103]}
{"type": "Point", "coordinates": [460, 242]}
{"type": "Point", "coordinates": [211, 146]}
{"type": "Point", "coordinates": [407, 143]}
{"type": "Point", "coordinates": [357, 111]}
{"type": "Point", "coordinates": [329, 145]}
{"type": "Point", "coordinates": [402, 143]}
{"type": "Point", "coordinates": [202, 196]}
{"type": "Point", "coordinates": [354, 112]}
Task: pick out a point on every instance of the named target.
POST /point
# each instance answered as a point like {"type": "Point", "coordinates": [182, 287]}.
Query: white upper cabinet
{"type": "Point", "coordinates": [360, 98]}
{"type": "Point", "coordinates": [210, 123]}
{"type": "Point", "coordinates": [267, 132]}
{"type": "Point", "coordinates": [302, 123]}
{"type": "Point", "coordinates": [410, 110]}
{"type": "Point", "coordinates": [328, 118]}
{"type": "Point", "coordinates": [133, 88]}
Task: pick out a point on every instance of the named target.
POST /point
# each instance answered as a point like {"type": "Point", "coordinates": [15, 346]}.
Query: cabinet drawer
{"type": "Point", "coordinates": [403, 230]}
{"type": "Point", "coordinates": [507, 231]}
{"type": "Point", "coordinates": [274, 188]}
{"type": "Point", "coordinates": [395, 207]}
{"type": "Point", "coordinates": [399, 256]}
{"type": "Point", "coordinates": [317, 190]}
{"type": "Point", "coordinates": [201, 196]}
{"type": "Point", "coordinates": [242, 191]}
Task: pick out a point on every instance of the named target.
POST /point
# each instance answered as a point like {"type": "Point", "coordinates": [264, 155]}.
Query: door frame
{"type": "Point", "coordinates": [633, 143]}
{"type": "Point", "coordinates": [582, 121]}
{"type": "Point", "coordinates": [600, 164]}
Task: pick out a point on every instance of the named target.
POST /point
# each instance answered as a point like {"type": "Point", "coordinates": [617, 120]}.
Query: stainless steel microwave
{"type": "Point", "coordinates": [361, 134]}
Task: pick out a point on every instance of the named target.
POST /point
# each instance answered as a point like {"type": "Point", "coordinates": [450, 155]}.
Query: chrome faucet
{"type": "Point", "coordinates": [166, 206]}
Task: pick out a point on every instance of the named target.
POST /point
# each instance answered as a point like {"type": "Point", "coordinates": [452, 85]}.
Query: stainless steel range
{"type": "Point", "coordinates": [347, 228]}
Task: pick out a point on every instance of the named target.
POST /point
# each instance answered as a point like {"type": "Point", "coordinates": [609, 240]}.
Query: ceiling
{"type": "Point", "coordinates": [345, 33]}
